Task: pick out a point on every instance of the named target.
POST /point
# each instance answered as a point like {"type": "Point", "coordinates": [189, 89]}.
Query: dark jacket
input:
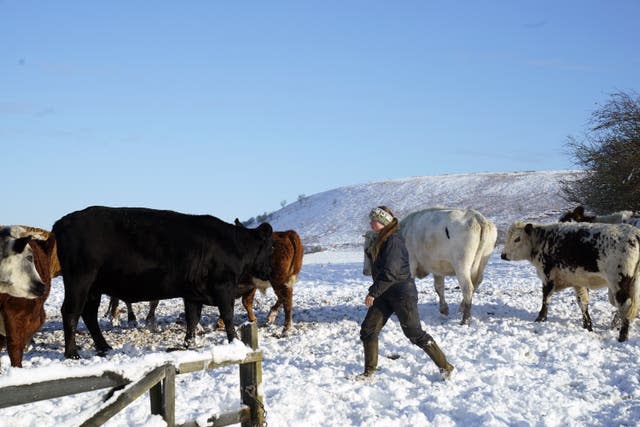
{"type": "Point", "coordinates": [391, 271]}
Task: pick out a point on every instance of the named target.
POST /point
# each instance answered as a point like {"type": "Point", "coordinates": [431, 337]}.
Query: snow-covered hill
{"type": "Point", "coordinates": [337, 218]}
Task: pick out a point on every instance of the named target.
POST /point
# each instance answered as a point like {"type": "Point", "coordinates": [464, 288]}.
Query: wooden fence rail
{"type": "Point", "coordinates": [160, 383]}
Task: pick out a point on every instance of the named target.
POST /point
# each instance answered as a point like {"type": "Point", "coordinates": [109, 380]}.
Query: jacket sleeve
{"type": "Point", "coordinates": [390, 260]}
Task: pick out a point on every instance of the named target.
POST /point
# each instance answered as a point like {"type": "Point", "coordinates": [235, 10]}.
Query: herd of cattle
{"type": "Point", "coordinates": [137, 254]}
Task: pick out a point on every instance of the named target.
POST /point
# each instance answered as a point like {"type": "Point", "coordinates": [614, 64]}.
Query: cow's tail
{"type": "Point", "coordinates": [296, 260]}
{"type": "Point", "coordinates": [631, 311]}
{"type": "Point", "coordinates": [486, 243]}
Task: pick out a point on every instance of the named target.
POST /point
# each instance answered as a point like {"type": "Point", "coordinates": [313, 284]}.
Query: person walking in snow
{"type": "Point", "coordinates": [393, 291]}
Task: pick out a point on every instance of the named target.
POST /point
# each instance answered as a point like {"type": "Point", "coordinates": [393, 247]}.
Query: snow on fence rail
{"type": "Point", "coordinates": [160, 382]}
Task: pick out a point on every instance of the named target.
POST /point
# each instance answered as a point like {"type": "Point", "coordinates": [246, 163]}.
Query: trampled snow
{"type": "Point", "coordinates": [509, 371]}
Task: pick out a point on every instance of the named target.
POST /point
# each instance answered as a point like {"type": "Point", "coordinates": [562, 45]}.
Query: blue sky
{"type": "Point", "coordinates": [231, 108]}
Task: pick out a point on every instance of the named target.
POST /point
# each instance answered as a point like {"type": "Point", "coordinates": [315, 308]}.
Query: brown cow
{"type": "Point", "coordinates": [20, 318]}
{"type": "Point", "coordinates": [286, 263]}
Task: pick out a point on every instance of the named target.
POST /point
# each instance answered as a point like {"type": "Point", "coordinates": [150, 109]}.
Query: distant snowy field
{"type": "Point", "coordinates": [510, 371]}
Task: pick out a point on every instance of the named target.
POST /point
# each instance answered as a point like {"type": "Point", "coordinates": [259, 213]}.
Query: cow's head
{"type": "Point", "coordinates": [517, 243]}
{"type": "Point", "coordinates": [261, 267]}
{"type": "Point", "coordinates": [18, 274]}
{"type": "Point", "coordinates": [369, 240]}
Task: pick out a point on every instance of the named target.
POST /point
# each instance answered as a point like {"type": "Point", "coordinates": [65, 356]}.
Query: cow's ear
{"type": "Point", "coordinates": [265, 229]}
{"type": "Point", "coordinates": [238, 223]}
{"type": "Point", "coordinates": [20, 244]}
{"type": "Point", "coordinates": [528, 228]}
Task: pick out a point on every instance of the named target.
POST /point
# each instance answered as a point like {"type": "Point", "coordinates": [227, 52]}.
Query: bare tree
{"type": "Point", "coordinates": [609, 152]}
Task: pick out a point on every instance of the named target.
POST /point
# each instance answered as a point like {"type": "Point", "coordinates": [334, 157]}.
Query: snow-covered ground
{"type": "Point", "coordinates": [510, 371]}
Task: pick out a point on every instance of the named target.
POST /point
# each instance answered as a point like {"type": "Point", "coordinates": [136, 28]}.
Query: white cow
{"type": "Point", "coordinates": [18, 275]}
{"type": "Point", "coordinates": [446, 242]}
{"type": "Point", "coordinates": [583, 256]}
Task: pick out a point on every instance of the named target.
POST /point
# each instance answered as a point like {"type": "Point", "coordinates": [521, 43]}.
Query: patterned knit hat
{"type": "Point", "coordinates": [380, 215]}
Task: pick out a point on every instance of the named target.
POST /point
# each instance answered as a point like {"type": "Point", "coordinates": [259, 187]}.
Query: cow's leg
{"type": "Point", "coordinates": [112, 310]}
{"type": "Point", "coordinates": [615, 321]}
{"type": "Point", "coordinates": [285, 298]}
{"type": "Point", "coordinates": [90, 319]}
{"type": "Point", "coordinates": [225, 306]}
{"type": "Point", "coordinates": [15, 348]}
{"type": "Point", "coordinates": [627, 304]}
{"type": "Point", "coordinates": [192, 312]}
{"type": "Point", "coordinates": [247, 302]}
{"type": "Point", "coordinates": [582, 295]}
{"type": "Point", "coordinates": [547, 291]}
{"type": "Point", "coordinates": [624, 330]}
{"type": "Point", "coordinates": [438, 284]}
{"type": "Point", "coordinates": [132, 321]}
{"type": "Point", "coordinates": [150, 320]}
{"type": "Point", "coordinates": [464, 280]}
{"type": "Point", "coordinates": [15, 328]}
{"type": "Point", "coordinates": [76, 290]}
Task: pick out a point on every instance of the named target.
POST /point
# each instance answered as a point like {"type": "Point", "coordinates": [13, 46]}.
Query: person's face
{"type": "Point", "coordinates": [376, 226]}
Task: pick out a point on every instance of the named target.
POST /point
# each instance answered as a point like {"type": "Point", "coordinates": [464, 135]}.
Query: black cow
{"type": "Point", "coordinates": [139, 254]}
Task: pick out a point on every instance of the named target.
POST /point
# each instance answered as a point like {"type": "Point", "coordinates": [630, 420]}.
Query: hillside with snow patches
{"type": "Point", "coordinates": [336, 219]}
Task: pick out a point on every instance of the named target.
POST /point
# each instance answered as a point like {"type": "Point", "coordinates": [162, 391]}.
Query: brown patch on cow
{"type": "Point", "coordinates": [24, 317]}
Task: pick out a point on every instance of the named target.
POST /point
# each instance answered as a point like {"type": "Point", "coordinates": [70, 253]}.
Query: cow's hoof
{"type": "Point", "coordinates": [444, 310]}
{"type": "Point", "coordinates": [285, 333]}
{"type": "Point", "coordinates": [73, 355]}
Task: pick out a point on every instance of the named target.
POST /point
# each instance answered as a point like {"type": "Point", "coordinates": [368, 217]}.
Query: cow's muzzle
{"type": "Point", "coordinates": [37, 289]}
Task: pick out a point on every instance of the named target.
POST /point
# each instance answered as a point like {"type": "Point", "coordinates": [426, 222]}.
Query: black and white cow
{"type": "Point", "coordinates": [18, 274]}
{"type": "Point", "coordinates": [581, 255]}
{"type": "Point", "coordinates": [139, 254]}
{"type": "Point", "coordinates": [445, 242]}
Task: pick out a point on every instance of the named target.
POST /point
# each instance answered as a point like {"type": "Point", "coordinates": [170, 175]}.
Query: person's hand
{"type": "Point", "coordinates": [368, 301]}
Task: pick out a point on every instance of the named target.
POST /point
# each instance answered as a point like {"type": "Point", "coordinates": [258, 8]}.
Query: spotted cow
{"type": "Point", "coordinates": [581, 255]}
{"type": "Point", "coordinates": [445, 242]}
{"type": "Point", "coordinates": [21, 318]}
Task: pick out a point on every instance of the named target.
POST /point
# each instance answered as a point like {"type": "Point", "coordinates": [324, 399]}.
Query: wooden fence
{"type": "Point", "coordinates": [160, 382]}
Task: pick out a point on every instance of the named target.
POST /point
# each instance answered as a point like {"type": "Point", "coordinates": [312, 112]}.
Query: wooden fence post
{"type": "Point", "coordinates": [163, 395]}
{"type": "Point", "coordinates": [251, 378]}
